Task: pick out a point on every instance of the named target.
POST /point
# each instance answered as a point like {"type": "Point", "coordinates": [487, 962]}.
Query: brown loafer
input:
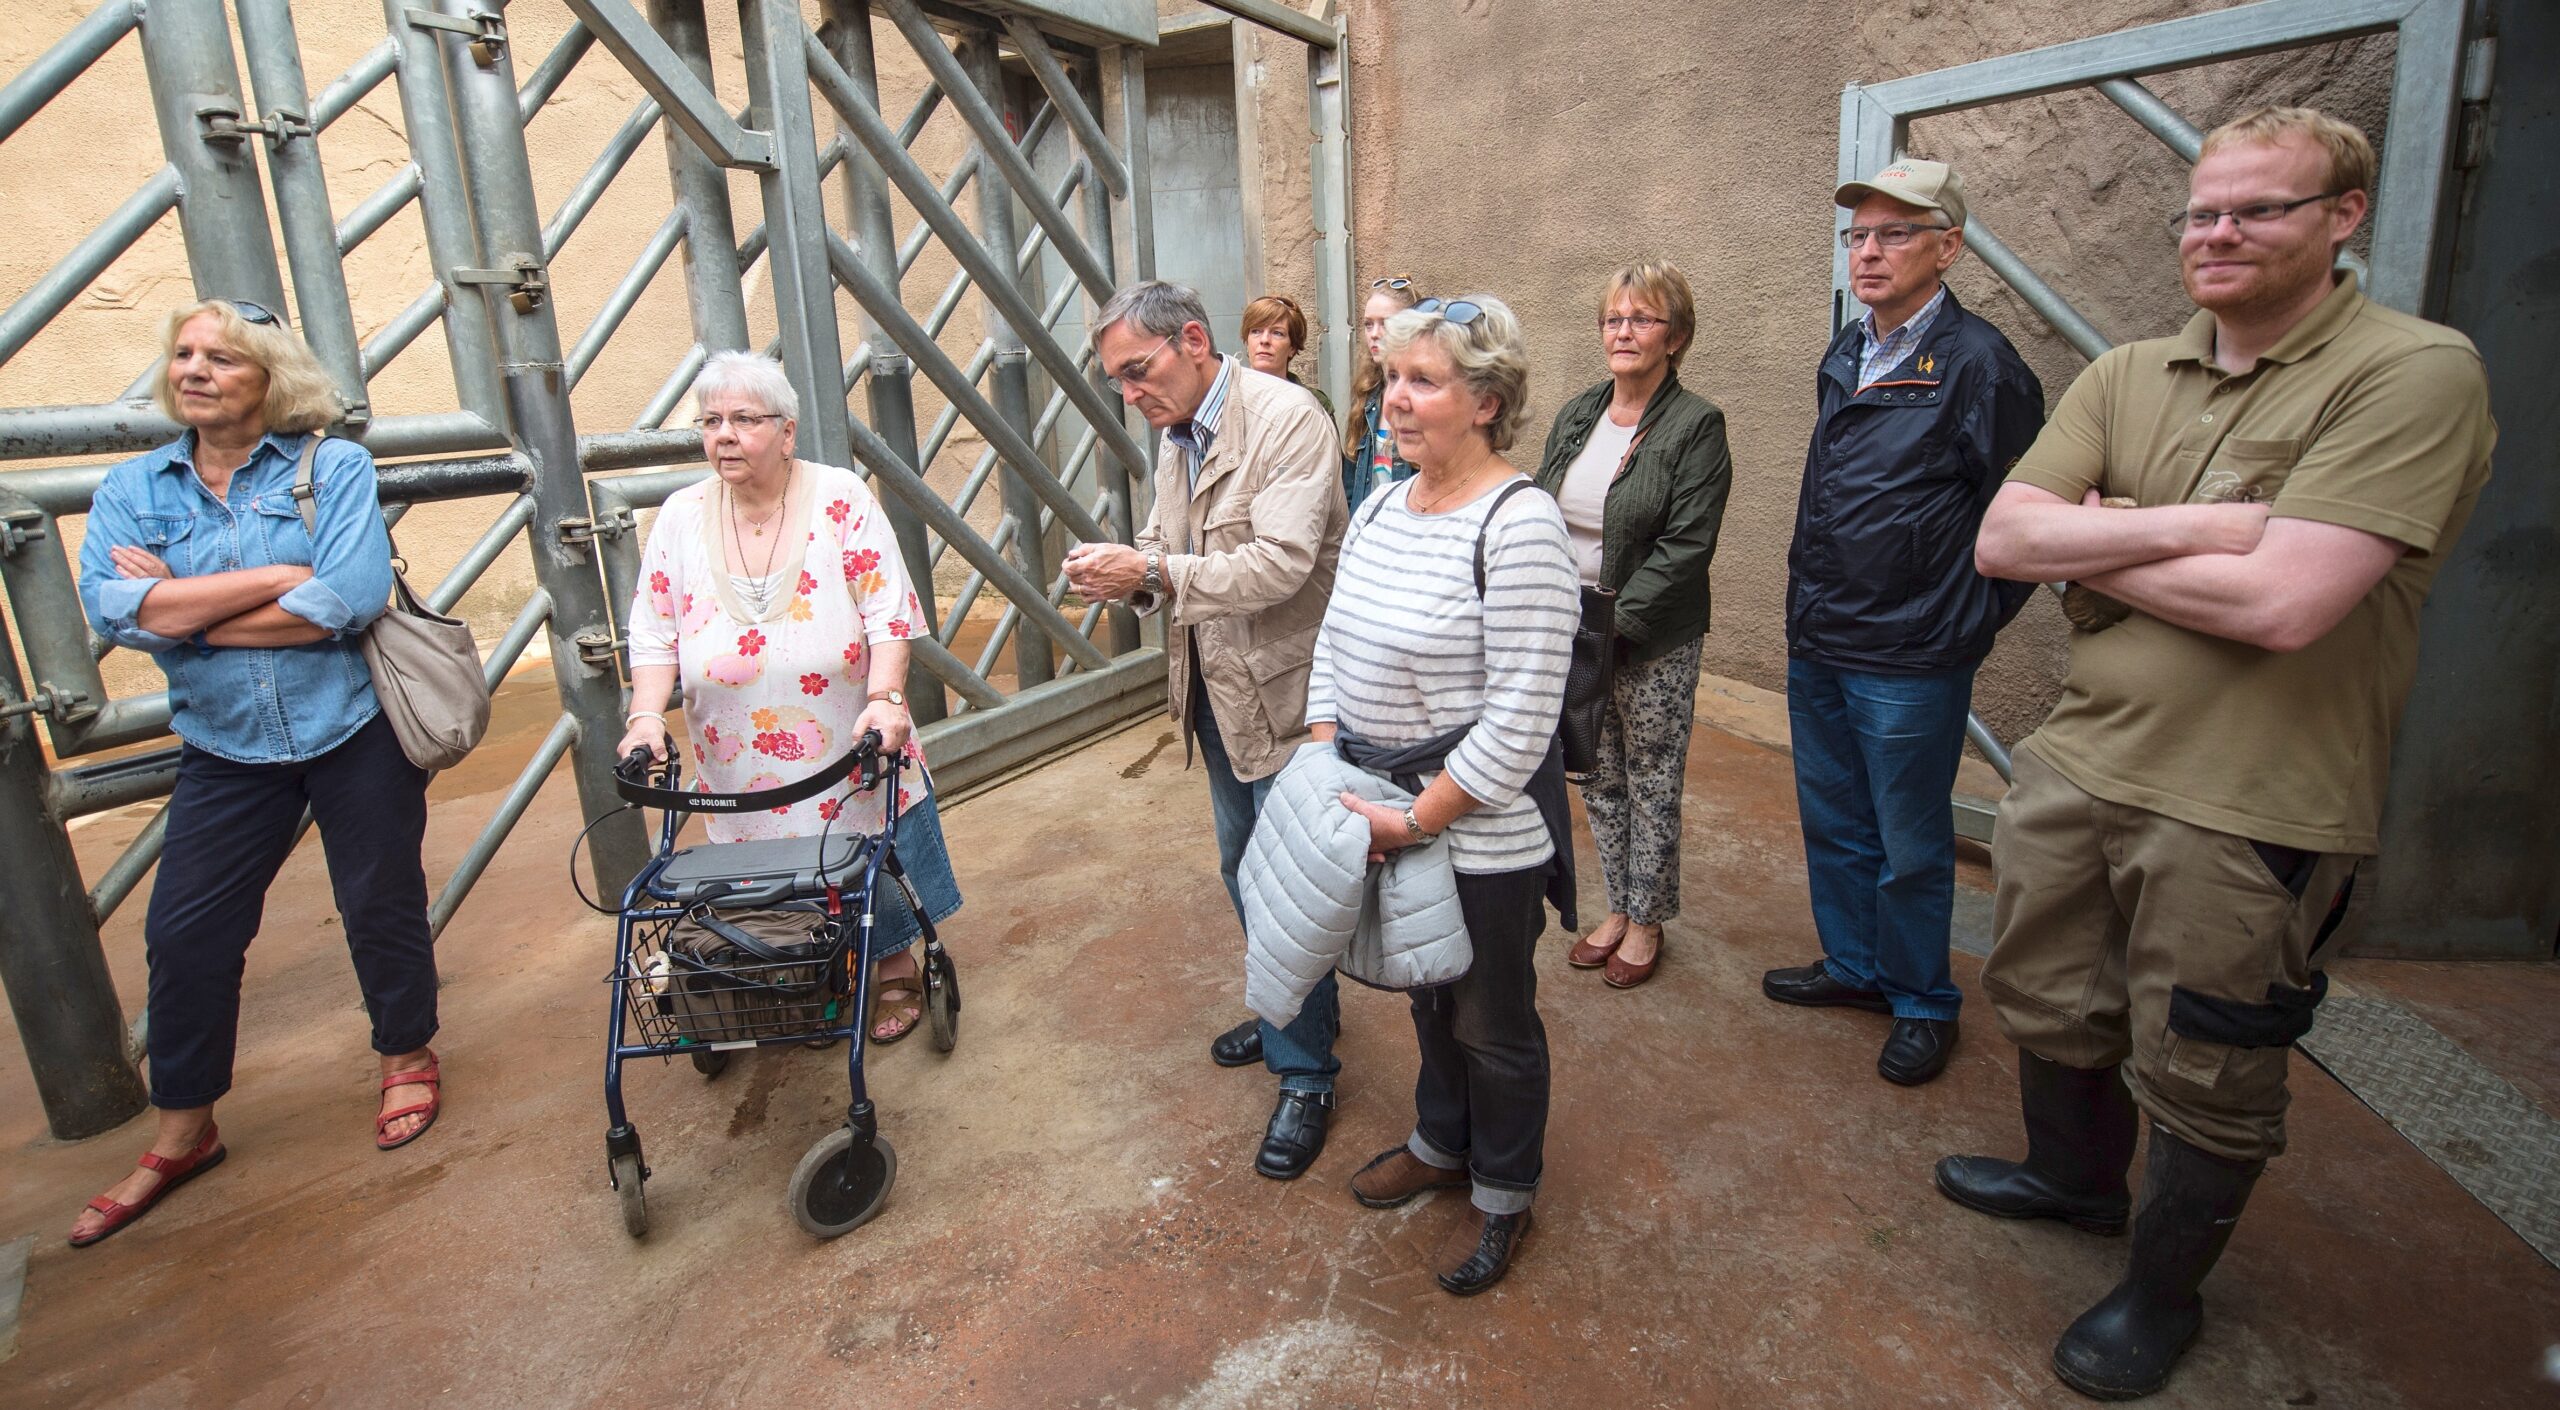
{"type": "Point", "coordinates": [1395, 1178]}
{"type": "Point", "coordinates": [1585, 955]}
{"type": "Point", "coordinates": [1625, 974]}
{"type": "Point", "coordinates": [1479, 1250]}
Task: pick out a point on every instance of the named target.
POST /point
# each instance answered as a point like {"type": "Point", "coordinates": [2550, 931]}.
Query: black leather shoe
{"type": "Point", "coordinates": [1480, 1250]}
{"type": "Point", "coordinates": [2125, 1347]}
{"type": "Point", "coordinates": [1812, 986]}
{"type": "Point", "coordinates": [1916, 1050]}
{"type": "Point", "coordinates": [1240, 1046]}
{"type": "Point", "coordinates": [1296, 1136]}
{"type": "Point", "coordinates": [2081, 1128]}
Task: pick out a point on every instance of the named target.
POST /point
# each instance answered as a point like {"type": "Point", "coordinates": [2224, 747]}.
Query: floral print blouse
{"type": "Point", "coordinates": [770, 698]}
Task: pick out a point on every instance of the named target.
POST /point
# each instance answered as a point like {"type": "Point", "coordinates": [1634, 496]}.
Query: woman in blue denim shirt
{"type": "Point", "coordinates": [196, 553]}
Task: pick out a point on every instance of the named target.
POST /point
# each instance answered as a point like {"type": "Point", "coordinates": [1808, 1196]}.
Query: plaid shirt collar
{"type": "Point", "coordinates": [1882, 354]}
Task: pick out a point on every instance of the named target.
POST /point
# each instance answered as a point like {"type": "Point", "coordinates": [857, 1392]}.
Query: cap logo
{"type": "Point", "coordinates": [1897, 171]}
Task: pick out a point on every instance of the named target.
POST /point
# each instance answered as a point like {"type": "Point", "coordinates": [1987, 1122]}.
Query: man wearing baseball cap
{"type": "Point", "coordinates": [1922, 408]}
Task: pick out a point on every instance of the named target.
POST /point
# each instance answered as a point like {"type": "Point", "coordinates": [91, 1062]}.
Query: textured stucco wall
{"type": "Point", "coordinates": [1526, 149]}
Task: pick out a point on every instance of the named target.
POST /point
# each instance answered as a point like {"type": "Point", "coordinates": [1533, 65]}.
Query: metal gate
{"type": "Point", "coordinates": [1019, 77]}
{"type": "Point", "coordinates": [2432, 74]}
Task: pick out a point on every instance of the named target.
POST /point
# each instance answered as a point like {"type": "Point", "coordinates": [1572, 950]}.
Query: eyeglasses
{"type": "Point", "coordinates": [1892, 235]}
{"type": "Point", "coordinates": [1458, 311]}
{"type": "Point", "coordinates": [256, 313]}
{"type": "Point", "coordinates": [1633, 323]}
{"type": "Point", "coordinates": [745, 422]}
{"type": "Point", "coordinates": [1137, 371]}
{"type": "Point", "coordinates": [1397, 282]}
{"type": "Point", "coordinates": [2246, 217]}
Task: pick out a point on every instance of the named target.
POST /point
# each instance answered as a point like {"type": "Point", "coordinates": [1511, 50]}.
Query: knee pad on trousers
{"type": "Point", "coordinates": [2277, 1023]}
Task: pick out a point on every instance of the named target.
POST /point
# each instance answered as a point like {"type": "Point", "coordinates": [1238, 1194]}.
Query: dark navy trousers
{"type": "Point", "coordinates": [230, 827]}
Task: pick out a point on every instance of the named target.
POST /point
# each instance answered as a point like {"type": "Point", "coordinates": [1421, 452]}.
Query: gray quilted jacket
{"type": "Point", "coordinates": [1313, 902]}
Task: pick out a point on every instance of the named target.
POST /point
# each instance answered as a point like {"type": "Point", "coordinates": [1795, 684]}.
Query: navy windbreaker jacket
{"type": "Point", "coordinates": [1880, 577]}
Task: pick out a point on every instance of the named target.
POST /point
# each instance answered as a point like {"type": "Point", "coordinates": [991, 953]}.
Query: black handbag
{"type": "Point", "coordinates": [1590, 678]}
{"type": "Point", "coordinates": [1591, 673]}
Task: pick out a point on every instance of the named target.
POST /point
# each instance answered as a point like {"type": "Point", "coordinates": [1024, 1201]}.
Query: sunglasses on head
{"type": "Point", "coordinates": [255, 313]}
{"type": "Point", "coordinates": [1458, 311]}
{"type": "Point", "coordinates": [1396, 282]}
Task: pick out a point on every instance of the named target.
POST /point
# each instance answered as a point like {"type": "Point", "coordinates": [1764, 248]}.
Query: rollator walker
{"type": "Point", "coordinates": [724, 946]}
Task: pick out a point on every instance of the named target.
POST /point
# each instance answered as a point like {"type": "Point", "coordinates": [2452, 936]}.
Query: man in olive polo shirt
{"type": "Point", "coordinates": [2181, 829]}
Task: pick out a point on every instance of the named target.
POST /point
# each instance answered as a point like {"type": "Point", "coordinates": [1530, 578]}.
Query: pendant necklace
{"type": "Point", "coordinates": [758, 590]}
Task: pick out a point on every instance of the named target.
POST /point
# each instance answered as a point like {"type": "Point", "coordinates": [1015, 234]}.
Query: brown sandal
{"type": "Point", "coordinates": [905, 991]}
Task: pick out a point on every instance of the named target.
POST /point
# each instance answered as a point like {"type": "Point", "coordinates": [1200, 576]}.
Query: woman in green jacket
{"type": "Point", "coordinates": [1639, 465]}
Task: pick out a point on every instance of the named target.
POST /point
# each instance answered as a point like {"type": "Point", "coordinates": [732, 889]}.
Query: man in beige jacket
{"type": "Point", "coordinates": [1238, 553]}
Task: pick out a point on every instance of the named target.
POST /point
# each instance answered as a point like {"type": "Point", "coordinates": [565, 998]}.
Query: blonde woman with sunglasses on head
{"type": "Point", "coordinates": [1369, 456]}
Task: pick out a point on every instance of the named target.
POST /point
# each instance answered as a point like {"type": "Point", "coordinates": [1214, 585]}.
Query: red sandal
{"type": "Point", "coordinates": [432, 1075]}
{"type": "Point", "coordinates": [173, 1172]}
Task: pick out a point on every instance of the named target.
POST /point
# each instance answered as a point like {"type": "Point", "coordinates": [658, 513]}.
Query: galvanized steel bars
{"type": "Point", "coordinates": [508, 224]}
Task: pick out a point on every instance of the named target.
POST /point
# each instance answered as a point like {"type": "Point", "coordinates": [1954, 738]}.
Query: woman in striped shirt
{"type": "Point", "coordinates": [1442, 658]}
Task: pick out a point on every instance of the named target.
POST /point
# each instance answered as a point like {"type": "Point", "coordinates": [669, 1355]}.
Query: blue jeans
{"type": "Point", "coordinates": [1300, 1055]}
{"type": "Point", "coordinates": [1876, 759]}
{"type": "Point", "coordinates": [925, 857]}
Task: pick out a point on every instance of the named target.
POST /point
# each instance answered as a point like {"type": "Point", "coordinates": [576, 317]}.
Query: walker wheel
{"type": "Point", "coordinates": [710, 1064]}
{"type": "Point", "coordinates": [627, 1175]}
{"type": "Point", "coordinates": [942, 1000]}
{"type": "Point", "coordinates": [841, 1183]}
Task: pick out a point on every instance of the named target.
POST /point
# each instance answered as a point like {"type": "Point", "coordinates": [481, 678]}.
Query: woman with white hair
{"type": "Point", "coordinates": [774, 592]}
{"type": "Point", "coordinates": [197, 553]}
{"type": "Point", "coordinates": [1442, 658]}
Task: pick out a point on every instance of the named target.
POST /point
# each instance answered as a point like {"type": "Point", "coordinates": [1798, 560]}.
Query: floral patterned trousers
{"type": "Point", "coordinates": [1633, 797]}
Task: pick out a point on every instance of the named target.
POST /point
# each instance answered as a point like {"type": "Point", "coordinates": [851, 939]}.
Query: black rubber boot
{"type": "Point", "coordinates": [2081, 1126]}
{"type": "Point", "coordinates": [2125, 1347]}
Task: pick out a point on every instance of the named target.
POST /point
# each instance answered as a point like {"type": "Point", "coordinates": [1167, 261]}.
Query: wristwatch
{"type": "Point", "coordinates": [1152, 580]}
{"type": "Point", "coordinates": [1413, 825]}
{"type": "Point", "coordinates": [897, 698]}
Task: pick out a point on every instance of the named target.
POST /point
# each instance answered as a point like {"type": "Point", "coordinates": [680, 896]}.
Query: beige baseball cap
{"type": "Point", "coordinates": [1932, 186]}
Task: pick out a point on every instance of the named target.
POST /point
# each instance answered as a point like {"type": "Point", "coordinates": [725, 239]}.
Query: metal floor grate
{"type": "Point", "coordinates": [2492, 1139]}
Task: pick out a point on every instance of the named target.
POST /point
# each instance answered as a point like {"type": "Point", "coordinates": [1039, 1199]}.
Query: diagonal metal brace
{"type": "Point", "coordinates": [997, 145]}
{"type": "Point", "coordinates": [1062, 93]}
{"type": "Point", "coordinates": [902, 328]}
{"type": "Point", "coordinates": [986, 267]}
{"type": "Point", "coordinates": [668, 79]}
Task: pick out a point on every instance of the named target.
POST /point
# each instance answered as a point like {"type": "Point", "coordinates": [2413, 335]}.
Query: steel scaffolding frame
{"type": "Point", "coordinates": [513, 435]}
{"type": "Point", "coordinates": [2426, 95]}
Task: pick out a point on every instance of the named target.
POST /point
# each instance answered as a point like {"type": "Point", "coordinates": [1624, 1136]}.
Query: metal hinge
{"type": "Point", "coordinates": [525, 278]}
{"type": "Point", "coordinates": [48, 700]}
{"type": "Point", "coordinates": [18, 528]}
{"type": "Point", "coordinates": [579, 534]}
{"type": "Point", "coordinates": [598, 647]}
{"type": "Point", "coordinates": [488, 32]}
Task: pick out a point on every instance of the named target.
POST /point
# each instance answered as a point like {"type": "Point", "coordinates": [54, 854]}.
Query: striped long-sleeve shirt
{"type": "Point", "coordinates": [1408, 652]}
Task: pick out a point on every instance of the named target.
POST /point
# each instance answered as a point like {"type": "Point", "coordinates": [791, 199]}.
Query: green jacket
{"type": "Point", "coordinates": [1658, 531]}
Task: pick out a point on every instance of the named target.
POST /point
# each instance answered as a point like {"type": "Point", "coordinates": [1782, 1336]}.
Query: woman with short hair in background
{"type": "Point", "coordinates": [1639, 465]}
{"type": "Point", "coordinates": [1275, 332]}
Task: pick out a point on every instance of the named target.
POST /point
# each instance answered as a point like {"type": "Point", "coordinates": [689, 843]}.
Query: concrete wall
{"type": "Point", "coordinates": [1526, 149]}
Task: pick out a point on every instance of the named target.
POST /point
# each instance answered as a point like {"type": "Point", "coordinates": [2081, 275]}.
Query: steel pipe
{"type": "Point", "coordinates": [553, 71]}
{"type": "Point", "coordinates": [123, 874]}
{"type": "Point", "coordinates": [582, 198]}
{"type": "Point", "coordinates": [2052, 307]}
{"type": "Point", "coordinates": [714, 291]}
{"type": "Point", "coordinates": [82, 789]}
{"type": "Point", "coordinates": [1090, 138]}
{"type": "Point", "coordinates": [1111, 475]}
{"type": "Point", "coordinates": [403, 329]}
{"type": "Point", "coordinates": [643, 273]}
{"type": "Point", "coordinates": [509, 648]}
{"type": "Point", "coordinates": [77, 270]}
{"type": "Point", "coordinates": [222, 206]}
{"type": "Point", "coordinates": [674, 389]}
{"type": "Point", "coordinates": [780, 49]}
{"type": "Point", "coordinates": [2156, 117]}
{"type": "Point", "coordinates": [484, 551]}
{"type": "Point", "coordinates": [376, 210]}
{"type": "Point", "coordinates": [1992, 749]}
{"type": "Point", "coordinates": [350, 88]}
{"type": "Point", "coordinates": [71, 55]}
{"type": "Point", "coordinates": [520, 795]}
{"type": "Point", "coordinates": [427, 116]}
{"type": "Point", "coordinates": [326, 317]}
{"type": "Point", "coordinates": [666, 77]}
{"type": "Point", "coordinates": [499, 176]}
{"type": "Point", "coordinates": [864, 122]}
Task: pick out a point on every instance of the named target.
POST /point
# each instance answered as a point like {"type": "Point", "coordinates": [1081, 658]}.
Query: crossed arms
{"type": "Point", "coordinates": [2227, 570]}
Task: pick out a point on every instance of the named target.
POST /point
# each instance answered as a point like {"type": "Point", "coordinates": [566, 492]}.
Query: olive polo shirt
{"type": "Point", "coordinates": [2360, 416]}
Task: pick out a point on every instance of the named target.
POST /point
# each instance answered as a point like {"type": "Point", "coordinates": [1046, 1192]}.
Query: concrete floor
{"type": "Point", "coordinates": [1737, 1210]}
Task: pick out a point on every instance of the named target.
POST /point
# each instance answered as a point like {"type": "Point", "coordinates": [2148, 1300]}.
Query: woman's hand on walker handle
{"type": "Point", "coordinates": [892, 722]}
{"type": "Point", "coordinates": [646, 732]}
